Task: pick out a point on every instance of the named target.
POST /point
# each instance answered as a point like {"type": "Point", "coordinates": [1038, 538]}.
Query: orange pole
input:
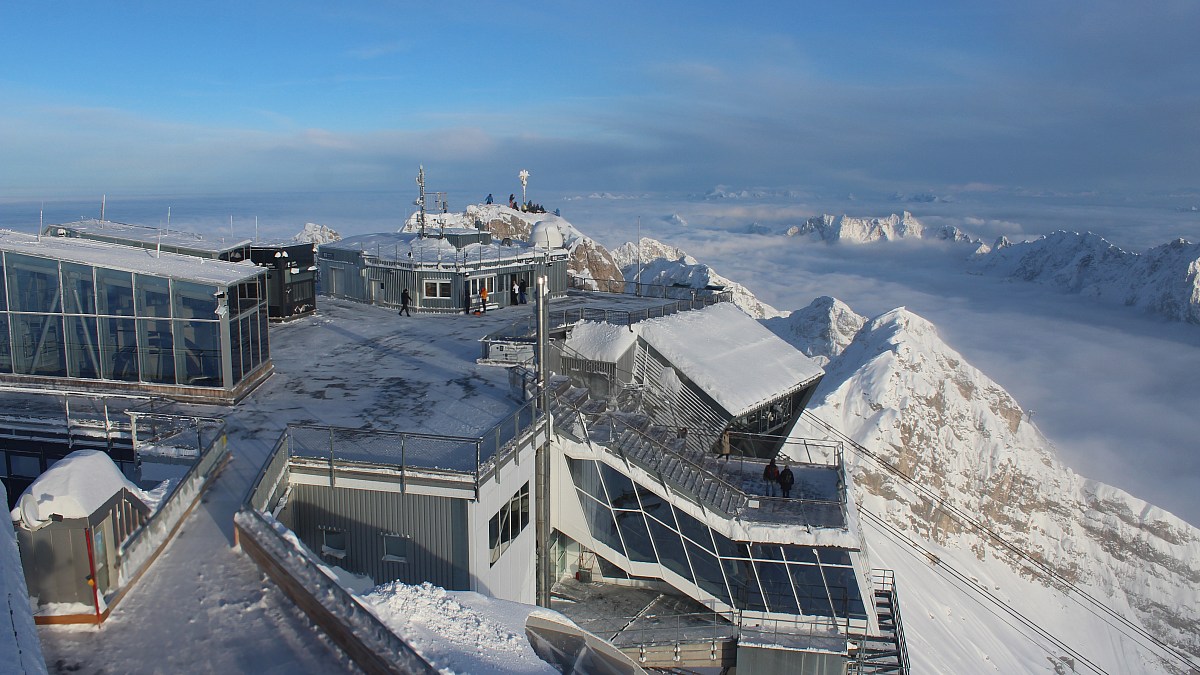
{"type": "Point", "coordinates": [87, 536]}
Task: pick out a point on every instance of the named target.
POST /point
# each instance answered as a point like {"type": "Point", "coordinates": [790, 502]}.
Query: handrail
{"type": "Point", "coordinates": [741, 497]}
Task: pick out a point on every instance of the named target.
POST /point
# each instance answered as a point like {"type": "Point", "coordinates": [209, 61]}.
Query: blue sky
{"type": "Point", "coordinates": [150, 98]}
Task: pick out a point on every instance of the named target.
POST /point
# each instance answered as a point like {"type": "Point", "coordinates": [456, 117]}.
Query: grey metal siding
{"type": "Point", "coordinates": [437, 551]}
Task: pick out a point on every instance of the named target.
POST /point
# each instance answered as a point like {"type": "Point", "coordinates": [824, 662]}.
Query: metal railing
{"type": "Point", "coordinates": [470, 455]}
{"type": "Point", "coordinates": [525, 328]}
{"type": "Point", "coordinates": [667, 629]}
{"type": "Point", "coordinates": [810, 512]}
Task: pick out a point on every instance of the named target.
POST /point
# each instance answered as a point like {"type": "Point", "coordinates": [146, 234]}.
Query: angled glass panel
{"type": "Point", "coordinates": [621, 492]}
{"type": "Point", "coordinates": [669, 545]}
{"type": "Point", "coordinates": [114, 292]}
{"type": "Point", "coordinates": [810, 588]}
{"type": "Point", "coordinates": [727, 548]}
{"type": "Point", "coordinates": [766, 552]}
{"type": "Point", "coordinates": [83, 347]}
{"type": "Point", "coordinates": [743, 586]}
{"type": "Point", "coordinates": [198, 352]}
{"type": "Point", "coordinates": [843, 589]}
{"type": "Point", "coordinates": [804, 554]}
{"type": "Point", "coordinates": [79, 289]}
{"type": "Point", "coordinates": [656, 506]}
{"type": "Point", "coordinates": [32, 284]}
{"type": "Point", "coordinates": [708, 571]}
{"type": "Point", "coordinates": [118, 347]}
{"type": "Point", "coordinates": [694, 530]}
{"type": "Point", "coordinates": [38, 346]}
{"type": "Point", "coordinates": [157, 350]}
{"type": "Point", "coordinates": [587, 478]}
{"type": "Point", "coordinates": [637, 537]}
{"type": "Point", "coordinates": [600, 522]}
{"type": "Point", "coordinates": [776, 587]}
{"type": "Point", "coordinates": [194, 301]}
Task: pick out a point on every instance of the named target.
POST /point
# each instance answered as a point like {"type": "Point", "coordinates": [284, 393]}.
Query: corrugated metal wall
{"type": "Point", "coordinates": [437, 527]}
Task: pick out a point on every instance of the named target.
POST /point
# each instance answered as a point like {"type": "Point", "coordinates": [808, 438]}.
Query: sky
{"type": "Point", "coordinates": [152, 98]}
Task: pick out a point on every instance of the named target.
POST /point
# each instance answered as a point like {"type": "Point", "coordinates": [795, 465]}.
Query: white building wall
{"type": "Point", "coordinates": [512, 576]}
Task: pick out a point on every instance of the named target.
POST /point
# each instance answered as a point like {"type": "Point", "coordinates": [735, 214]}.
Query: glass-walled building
{"type": "Point", "coordinates": [84, 314]}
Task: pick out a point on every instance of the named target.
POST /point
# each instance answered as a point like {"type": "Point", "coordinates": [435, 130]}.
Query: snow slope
{"type": "Point", "coordinates": [1164, 280]}
{"type": "Point", "coordinates": [897, 389]}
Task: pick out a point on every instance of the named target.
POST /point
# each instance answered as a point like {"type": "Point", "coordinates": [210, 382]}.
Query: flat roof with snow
{"type": "Point", "coordinates": [128, 258]}
{"type": "Point", "coordinates": [729, 355]}
{"type": "Point", "coordinates": [150, 235]}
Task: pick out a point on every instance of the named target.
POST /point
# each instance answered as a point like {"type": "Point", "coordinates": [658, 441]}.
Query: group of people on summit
{"type": "Point", "coordinates": [785, 478]}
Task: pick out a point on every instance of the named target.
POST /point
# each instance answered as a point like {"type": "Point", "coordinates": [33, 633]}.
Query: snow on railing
{"type": "Point", "coordinates": [213, 449]}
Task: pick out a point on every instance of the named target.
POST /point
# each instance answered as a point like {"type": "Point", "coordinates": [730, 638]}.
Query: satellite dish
{"type": "Point", "coordinates": [29, 511]}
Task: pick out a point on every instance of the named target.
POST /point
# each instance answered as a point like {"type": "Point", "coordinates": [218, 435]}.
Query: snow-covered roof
{"type": "Point", "coordinates": [732, 357]}
{"type": "Point", "coordinates": [151, 235]}
{"type": "Point", "coordinates": [75, 487]}
{"type": "Point", "coordinates": [129, 258]}
{"type": "Point", "coordinates": [600, 341]}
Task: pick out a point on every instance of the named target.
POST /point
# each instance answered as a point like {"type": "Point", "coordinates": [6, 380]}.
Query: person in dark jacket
{"type": "Point", "coordinates": [771, 477]}
{"type": "Point", "coordinates": [405, 298]}
{"type": "Point", "coordinates": [489, 198]}
{"type": "Point", "coordinates": [786, 480]}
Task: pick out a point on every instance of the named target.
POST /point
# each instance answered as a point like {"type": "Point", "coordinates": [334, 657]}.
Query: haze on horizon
{"type": "Point", "coordinates": [1025, 96]}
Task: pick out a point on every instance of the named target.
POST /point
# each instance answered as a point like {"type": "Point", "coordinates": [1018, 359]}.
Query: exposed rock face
{"type": "Point", "coordinates": [900, 391]}
{"type": "Point", "coordinates": [664, 266]}
{"type": "Point", "coordinates": [863, 230]}
{"type": "Point", "coordinates": [1164, 280]}
{"type": "Point", "coordinates": [592, 267]}
{"type": "Point", "coordinates": [316, 234]}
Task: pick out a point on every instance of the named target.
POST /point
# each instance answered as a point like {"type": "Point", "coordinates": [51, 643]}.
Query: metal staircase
{"type": "Point", "coordinates": [885, 652]}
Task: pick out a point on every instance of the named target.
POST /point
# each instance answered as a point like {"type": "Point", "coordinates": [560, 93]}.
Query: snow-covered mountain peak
{"type": "Point", "coordinates": [821, 331]}
{"type": "Point", "coordinates": [917, 404]}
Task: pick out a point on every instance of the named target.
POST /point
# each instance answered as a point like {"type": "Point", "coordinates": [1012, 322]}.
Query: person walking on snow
{"type": "Point", "coordinates": [516, 293]}
{"type": "Point", "coordinates": [786, 480]}
{"type": "Point", "coordinates": [771, 477]}
{"type": "Point", "coordinates": [405, 298]}
{"type": "Point", "coordinates": [483, 299]}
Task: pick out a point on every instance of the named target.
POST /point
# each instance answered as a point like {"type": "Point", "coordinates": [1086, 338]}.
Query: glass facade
{"type": "Point", "coordinates": [644, 527]}
{"type": "Point", "coordinates": [64, 319]}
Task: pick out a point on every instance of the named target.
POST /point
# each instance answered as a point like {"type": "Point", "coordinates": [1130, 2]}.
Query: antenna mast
{"type": "Point", "coordinates": [421, 200]}
{"type": "Point", "coordinates": [102, 200]}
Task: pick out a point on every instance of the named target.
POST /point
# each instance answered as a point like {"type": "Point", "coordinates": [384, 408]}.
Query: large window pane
{"type": "Point", "coordinates": [600, 522]}
{"type": "Point", "coordinates": [708, 572]}
{"type": "Point", "coordinates": [621, 492]}
{"type": "Point", "coordinates": [3, 286]}
{"type": "Point", "coordinates": [79, 290]}
{"type": "Point", "coordinates": [38, 347]}
{"type": "Point", "coordinates": [118, 344]}
{"type": "Point", "coordinates": [198, 352]}
{"type": "Point", "coordinates": [32, 284]}
{"type": "Point", "coordinates": [153, 296]}
{"type": "Point", "coordinates": [246, 342]}
{"type": "Point", "coordinates": [194, 301]}
{"type": "Point", "coordinates": [742, 584]}
{"type": "Point", "coordinates": [83, 347]}
{"type": "Point", "coordinates": [810, 588]}
{"type": "Point", "coordinates": [694, 530]}
{"type": "Point", "coordinates": [777, 587]}
{"type": "Point", "coordinates": [670, 548]}
{"type": "Point", "coordinates": [5, 346]}
{"type": "Point", "coordinates": [114, 292]}
{"type": "Point", "coordinates": [156, 347]}
{"type": "Point", "coordinates": [637, 538]}
{"type": "Point", "coordinates": [235, 350]}
{"type": "Point", "coordinates": [587, 478]}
